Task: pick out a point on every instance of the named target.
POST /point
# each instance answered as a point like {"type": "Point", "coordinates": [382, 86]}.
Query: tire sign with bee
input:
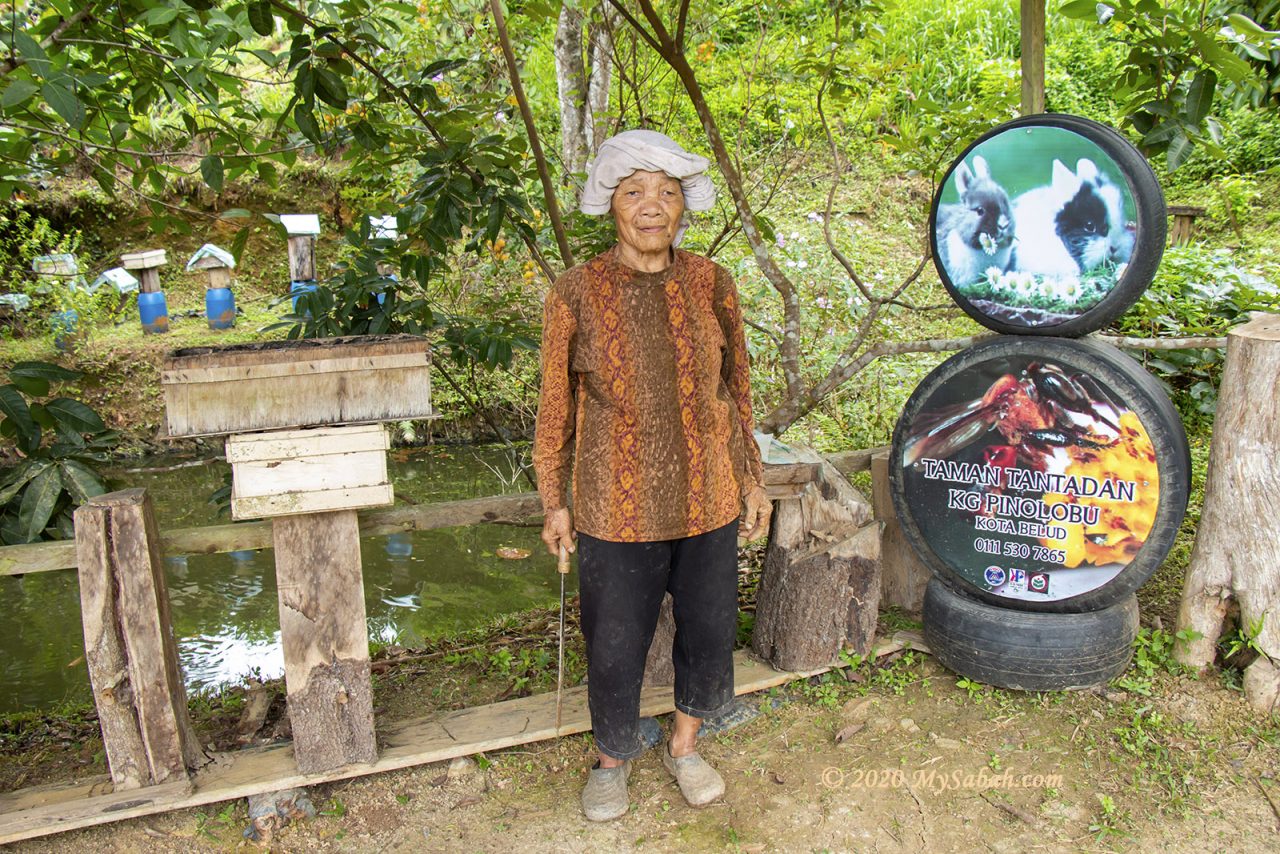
{"type": "Point", "coordinates": [1041, 474]}
{"type": "Point", "coordinates": [1048, 225]}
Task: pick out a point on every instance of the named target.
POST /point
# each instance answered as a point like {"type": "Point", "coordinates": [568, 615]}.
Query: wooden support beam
{"type": "Point", "coordinates": [1032, 57]}
{"type": "Point", "coordinates": [302, 258]}
{"type": "Point", "coordinates": [903, 576]}
{"type": "Point", "coordinates": [325, 639]}
{"type": "Point", "coordinates": [129, 645]}
{"type": "Point", "coordinates": [44, 810]}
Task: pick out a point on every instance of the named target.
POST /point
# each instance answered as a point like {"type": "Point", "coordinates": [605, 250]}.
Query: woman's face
{"type": "Point", "coordinates": [647, 207]}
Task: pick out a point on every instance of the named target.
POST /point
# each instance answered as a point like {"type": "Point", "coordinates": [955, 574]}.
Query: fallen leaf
{"type": "Point", "coordinates": [511, 553]}
{"type": "Point", "coordinates": [848, 732]}
{"type": "Point", "coordinates": [74, 663]}
{"type": "Point", "coordinates": [440, 781]}
{"type": "Point", "coordinates": [469, 801]}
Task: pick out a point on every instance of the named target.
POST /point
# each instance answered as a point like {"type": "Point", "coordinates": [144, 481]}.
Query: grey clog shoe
{"type": "Point", "coordinates": [699, 782]}
{"type": "Point", "coordinates": [605, 795]}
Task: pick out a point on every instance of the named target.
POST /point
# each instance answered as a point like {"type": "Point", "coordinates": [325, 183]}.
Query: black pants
{"type": "Point", "coordinates": [622, 587]}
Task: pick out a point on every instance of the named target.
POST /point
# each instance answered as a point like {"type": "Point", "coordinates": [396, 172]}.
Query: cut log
{"type": "Point", "coordinates": [129, 645]}
{"type": "Point", "coordinates": [820, 585]}
{"type": "Point", "coordinates": [325, 639]}
{"type": "Point", "coordinates": [904, 577]}
{"type": "Point", "coordinates": [1235, 558]}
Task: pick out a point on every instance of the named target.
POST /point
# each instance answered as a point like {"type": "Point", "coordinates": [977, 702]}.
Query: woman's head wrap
{"type": "Point", "coordinates": [648, 151]}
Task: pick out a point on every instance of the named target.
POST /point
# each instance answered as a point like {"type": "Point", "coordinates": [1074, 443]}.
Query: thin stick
{"type": "Point", "coordinates": [562, 566]}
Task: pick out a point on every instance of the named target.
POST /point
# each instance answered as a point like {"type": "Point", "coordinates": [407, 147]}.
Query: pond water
{"type": "Point", "coordinates": [417, 586]}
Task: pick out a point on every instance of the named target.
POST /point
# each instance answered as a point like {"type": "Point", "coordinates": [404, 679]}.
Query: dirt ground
{"type": "Point", "coordinates": [902, 757]}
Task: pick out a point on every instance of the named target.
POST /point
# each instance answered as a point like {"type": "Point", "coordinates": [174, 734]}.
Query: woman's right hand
{"type": "Point", "coordinates": [557, 530]}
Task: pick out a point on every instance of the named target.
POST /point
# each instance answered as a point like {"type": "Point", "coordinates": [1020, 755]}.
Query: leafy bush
{"type": "Point", "coordinates": [38, 495]}
{"type": "Point", "coordinates": [23, 238]}
{"type": "Point", "coordinates": [1197, 291]}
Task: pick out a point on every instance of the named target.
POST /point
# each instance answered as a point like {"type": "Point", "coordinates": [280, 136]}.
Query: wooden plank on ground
{"type": "Point", "coordinates": [44, 810]}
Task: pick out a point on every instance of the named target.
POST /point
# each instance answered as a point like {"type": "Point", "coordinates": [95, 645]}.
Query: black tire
{"type": "Point", "coordinates": [1026, 651]}
{"type": "Point", "coordinates": [1150, 225]}
{"type": "Point", "coordinates": [950, 540]}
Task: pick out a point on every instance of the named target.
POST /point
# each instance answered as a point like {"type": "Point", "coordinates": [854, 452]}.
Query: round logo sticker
{"type": "Point", "coordinates": [994, 576]}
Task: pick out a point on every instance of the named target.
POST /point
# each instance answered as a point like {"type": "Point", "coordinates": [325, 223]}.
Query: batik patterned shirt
{"type": "Point", "coordinates": [646, 391]}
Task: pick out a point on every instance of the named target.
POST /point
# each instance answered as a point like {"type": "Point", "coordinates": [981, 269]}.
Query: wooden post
{"type": "Point", "coordinates": [325, 639]}
{"type": "Point", "coordinates": [658, 666]}
{"type": "Point", "coordinates": [302, 230]}
{"type": "Point", "coordinates": [904, 577]}
{"type": "Point", "coordinates": [1236, 557]}
{"type": "Point", "coordinates": [129, 645]}
{"type": "Point", "coordinates": [1032, 18]}
{"type": "Point", "coordinates": [820, 585]}
{"type": "Point", "coordinates": [302, 258]}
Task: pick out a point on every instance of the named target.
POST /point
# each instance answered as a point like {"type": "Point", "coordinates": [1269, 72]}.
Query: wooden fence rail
{"type": "Point", "coordinates": [509, 509]}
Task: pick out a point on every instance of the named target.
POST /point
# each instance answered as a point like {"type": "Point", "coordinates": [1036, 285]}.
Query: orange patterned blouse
{"type": "Point", "coordinates": [646, 384]}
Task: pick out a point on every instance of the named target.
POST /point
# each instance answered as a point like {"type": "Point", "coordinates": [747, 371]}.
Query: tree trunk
{"type": "Point", "coordinates": [572, 83]}
{"type": "Point", "coordinates": [599, 74]}
{"type": "Point", "coordinates": [1236, 558]}
{"type": "Point", "coordinates": [129, 646]}
{"type": "Point", "coordinates": [820, 585]}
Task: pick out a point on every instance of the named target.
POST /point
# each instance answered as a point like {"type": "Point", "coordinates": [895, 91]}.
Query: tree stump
{"type": "Point", "coordinates": [1236, 558]}
{"type": "Point", "coordinates": [325, 639]}
{"type": "Point", "coordinates": [904, 576]}
{"type": "Point", "coordinates": [820, 585]}
{"type": "Point", "coordinates": [128, 642]}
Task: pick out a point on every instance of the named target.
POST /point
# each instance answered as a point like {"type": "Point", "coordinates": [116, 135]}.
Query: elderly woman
{"type": "Point", "coordinates": [646, 386]}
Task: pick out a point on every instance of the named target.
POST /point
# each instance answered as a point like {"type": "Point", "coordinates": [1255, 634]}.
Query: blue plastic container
{"type": "Point", "coordinates": [299, 288]}
{"type": "Point", "coordinates": [399, 545]}
{"type": "Point", "coordinates": [220, 308]}
{"type": "Point", "coordinates": [154, 313]}
{"type": "Point", "coordinates": [65, 325]}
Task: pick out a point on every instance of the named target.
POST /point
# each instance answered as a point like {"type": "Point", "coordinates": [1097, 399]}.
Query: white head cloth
{"type": "Point", "coordinates": [649, 151]}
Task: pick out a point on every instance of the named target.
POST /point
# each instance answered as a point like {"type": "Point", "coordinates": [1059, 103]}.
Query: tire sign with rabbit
{"type": "Point", "coordinates": [1050, 225]}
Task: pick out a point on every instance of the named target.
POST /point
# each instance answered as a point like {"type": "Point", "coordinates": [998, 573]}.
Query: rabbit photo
{"type": "Point", "coordinates": [1072, 225]}
{"type": "Point", "coordinates": [976, 234]}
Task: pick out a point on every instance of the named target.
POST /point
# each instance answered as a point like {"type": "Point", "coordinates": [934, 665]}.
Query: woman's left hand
{"type": "Point", "coordinates": [755, 521]}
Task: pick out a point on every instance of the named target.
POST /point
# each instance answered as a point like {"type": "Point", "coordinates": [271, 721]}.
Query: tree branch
{"type": "Point", "coordinates": [540, 159]}
{"type": "Point", "coordinates": [67, 23]}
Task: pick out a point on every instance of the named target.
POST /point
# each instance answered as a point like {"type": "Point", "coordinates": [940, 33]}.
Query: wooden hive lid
{"type": "Point", "coordinates": [144, 260]}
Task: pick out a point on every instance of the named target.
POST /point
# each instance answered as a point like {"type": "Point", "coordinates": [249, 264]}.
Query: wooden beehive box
{"type": "Point", "coordinates": [278, 385]}
{"type": "Point", "coordinates": [287, 472]}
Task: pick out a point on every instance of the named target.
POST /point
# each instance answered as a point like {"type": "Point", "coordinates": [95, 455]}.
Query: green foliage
{"type": "Point", "coordinates": [25, 236]}
{"type": "Point", "coordinates": [38, 494]}
{"type": "Point", "coordinates": [1177, 56]}
{"type": "Point", "coordinates": [1152, 655]}
{"type": "Point", "coordinates": [1196, 292]}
